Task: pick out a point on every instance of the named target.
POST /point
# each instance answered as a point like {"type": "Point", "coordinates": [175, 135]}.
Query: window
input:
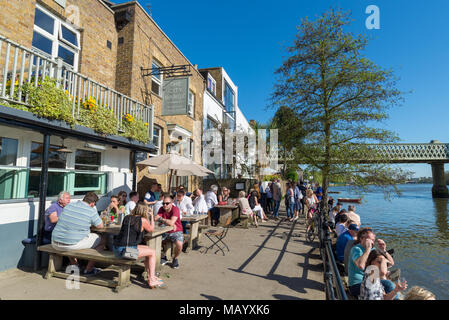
{"type": "Point", "coordinates": [229, 98]}
{"type": "Point", "coordinates": [8, 151]}
{"type": "Point", "coordinates": [87, 160]}
{"type": "Point", "coordinates": [156, 80]}
{"type": "Point", "coordinates": [211, 84]}
{"type": "Point", "coordinates": [210, 123]}
{"type": "Point", "coordinates": [54, 38]}
{"type": "Point", "coordinates": [55, 184]}
{"type": "Point", "coordinates": [94, 180]}
{"type": "Point", "coordinates": [55, 159]}
{"type": "Point", "coordinates": [157, 140]}
{"type": "Point", "coordinates": [191, 104]}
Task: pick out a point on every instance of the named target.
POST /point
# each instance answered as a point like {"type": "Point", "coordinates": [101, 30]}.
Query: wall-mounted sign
{"type": "Point", "coordinates": [175, 96]}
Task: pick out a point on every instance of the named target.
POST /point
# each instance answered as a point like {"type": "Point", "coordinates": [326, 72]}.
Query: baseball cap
{"type": "Point", "coordinates": [353, 227]}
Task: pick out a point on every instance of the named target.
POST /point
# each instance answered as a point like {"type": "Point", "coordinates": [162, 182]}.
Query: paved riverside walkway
{"type": "Point", "coordinates": [270, 262]}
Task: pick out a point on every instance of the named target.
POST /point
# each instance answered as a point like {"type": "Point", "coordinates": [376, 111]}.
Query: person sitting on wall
{"type": "Point", "coordinates": [52, 215]}
{"type": "Point", "coordinates": [169, 215]}
{"type": "Point", "coordinates": [212, 201]}
{"type": "Point", "coordinates": [350, 234]}
{"type": "Point", "coordinates": [353, 216]}
{"type": "Point", "coordinates": [150, 196]}
{"type": "Point", "coordinates": [131, 204]}
{"type": "Point", "coordinates": [358, 258]}
{"type": "Point", "coordinates": [72, 232]}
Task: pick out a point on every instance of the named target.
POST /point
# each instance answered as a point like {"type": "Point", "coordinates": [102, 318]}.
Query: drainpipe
{"type": "Point", "coordinates": [134, 161]}
{"type": "Point", "coordinates": [42, 199]}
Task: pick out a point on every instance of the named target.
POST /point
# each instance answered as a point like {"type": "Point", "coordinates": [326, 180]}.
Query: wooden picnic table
{"type": "Point", "coordinates": [152, 239]}
{"type": "Point", "coordinates": [226, 209]}
{"type": "Point", "coordinates": [194, 221]}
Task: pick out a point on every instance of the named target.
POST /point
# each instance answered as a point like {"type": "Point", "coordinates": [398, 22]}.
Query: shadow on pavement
{"type": "Point", "coordinates": [298, 284]}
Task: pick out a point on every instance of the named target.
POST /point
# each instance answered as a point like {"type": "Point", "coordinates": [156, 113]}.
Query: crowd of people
{"type": "Point", "coordinates": [365, 258]}
{"type": "Point", "coordinates": [68, 224]}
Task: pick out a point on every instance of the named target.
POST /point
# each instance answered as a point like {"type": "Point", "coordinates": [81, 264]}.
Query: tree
{"type": "Point", "coordinates": [290, 135]}
{"type": "Point", "coordinates": [339, 95]}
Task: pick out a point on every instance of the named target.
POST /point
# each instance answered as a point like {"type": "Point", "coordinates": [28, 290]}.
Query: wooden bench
{"type": "Point", "coordinates": [122, 266]}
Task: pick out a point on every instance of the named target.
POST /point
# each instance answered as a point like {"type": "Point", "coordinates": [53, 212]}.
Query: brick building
{"type": "Point", "coordinates": [99, 49]}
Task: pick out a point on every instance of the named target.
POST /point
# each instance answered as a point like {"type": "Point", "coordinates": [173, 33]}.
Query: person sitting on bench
{"type": "Point", "coordinates": [169, 215]}
{"type": "Point", "coordinates": [72, 232]}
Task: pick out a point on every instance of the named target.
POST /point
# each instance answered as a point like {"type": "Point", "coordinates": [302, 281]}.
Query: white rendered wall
{"type": "Point", "coordinates": [113, 161]}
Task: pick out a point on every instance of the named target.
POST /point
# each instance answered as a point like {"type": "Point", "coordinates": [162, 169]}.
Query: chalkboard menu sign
{"type": "Point", "coordinates": [175, 96]}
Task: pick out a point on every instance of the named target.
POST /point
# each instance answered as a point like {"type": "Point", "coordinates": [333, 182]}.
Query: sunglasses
{"type": "Point", "coordinates": [166, 203]}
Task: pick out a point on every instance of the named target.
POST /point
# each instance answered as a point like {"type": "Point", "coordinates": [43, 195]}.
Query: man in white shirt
{"type": "Point", "coordinates": [211, 202]}
{"type": "Point", "coordinates": [131, 204]}
{"type": "Point", "coordinates": [200, 202]}
{"type": "Point", "coordinates": [184, 203]}
{"type": "Point", "coordinates": [185, 207]}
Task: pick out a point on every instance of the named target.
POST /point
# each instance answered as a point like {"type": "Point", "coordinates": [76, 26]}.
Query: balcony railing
{"type": "Point", "coordinates": [19, 65]}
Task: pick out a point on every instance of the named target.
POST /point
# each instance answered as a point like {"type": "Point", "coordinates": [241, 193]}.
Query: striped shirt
{"type": "Point", "coordinates": [74, 223]}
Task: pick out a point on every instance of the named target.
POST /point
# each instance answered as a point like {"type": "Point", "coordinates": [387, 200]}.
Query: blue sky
{"type": "Point", "coordinates": [248, 39]}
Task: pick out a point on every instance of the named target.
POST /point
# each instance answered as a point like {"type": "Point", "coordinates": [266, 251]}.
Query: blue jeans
{"type": "Point", "coordinates": [184, 225]}
{"type": "Point", "coordinates": [355, 290]}
{"type": "Point", "coordinates": [276, 208]}
{"type": "Point", "coordinates": [290, 210]}
{"type": "Point", "coordinates": [118, 250]}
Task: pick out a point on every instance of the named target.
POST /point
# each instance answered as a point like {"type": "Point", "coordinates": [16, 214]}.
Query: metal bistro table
{"type": "Point", "coordinates": [194, 221]}
{"type": "Point", "coordinates": [152, 239]}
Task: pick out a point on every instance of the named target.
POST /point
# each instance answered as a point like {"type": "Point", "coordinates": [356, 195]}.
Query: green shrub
{"type": "Point", "coordinates": [48, 101]}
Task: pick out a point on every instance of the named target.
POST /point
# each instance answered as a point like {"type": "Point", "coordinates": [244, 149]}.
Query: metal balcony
{"type": "Point", "coordinates": [19, 65]}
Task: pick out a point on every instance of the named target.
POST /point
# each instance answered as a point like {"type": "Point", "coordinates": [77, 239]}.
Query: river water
{"type": "Point", "coordinates": [416, 226]}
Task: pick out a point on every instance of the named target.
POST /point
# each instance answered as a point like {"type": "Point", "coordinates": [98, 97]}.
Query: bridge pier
{"type": "Point", "coordinates": [439, 189]}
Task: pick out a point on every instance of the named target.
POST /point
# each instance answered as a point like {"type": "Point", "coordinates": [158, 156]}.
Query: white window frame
{"type": "Point", "coordinates": [213, 84]}
{"type": "Point", "coordinates": [158, 152]}
{"type": "Point", "coordinates": [155, 79]}
{"type": "Point", "coordinates": [57, 39]}
{"type": "Point", "coordinates": [191, 104]}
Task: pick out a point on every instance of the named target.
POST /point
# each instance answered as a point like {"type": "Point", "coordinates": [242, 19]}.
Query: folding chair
{"type": "Point", "coordinates": [216, 236]}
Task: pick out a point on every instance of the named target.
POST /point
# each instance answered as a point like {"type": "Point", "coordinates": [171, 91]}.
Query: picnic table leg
{"type": "Point", "coordinates": [124, 275]}
{"type": "Point", "coordinates": [193, 241]}
{"type": "Point", "coordinates": [54, 263]}
{"type": "Point", "coordinates": [156, 244]}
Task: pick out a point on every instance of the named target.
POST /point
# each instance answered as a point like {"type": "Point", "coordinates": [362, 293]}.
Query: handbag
{"type": "Point", "coordinates": [130, 253]}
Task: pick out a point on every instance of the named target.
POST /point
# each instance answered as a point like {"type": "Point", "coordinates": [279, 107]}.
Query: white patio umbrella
{"type": "Point", "coordinates": [175, 164]}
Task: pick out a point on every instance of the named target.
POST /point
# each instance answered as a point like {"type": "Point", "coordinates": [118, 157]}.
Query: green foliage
{"type": "Point", "coordinates": [48, 101]}
{"type": "Point", "coordinates": [338, 95]}
{"type": "Point", "coordinates": [136, 129]}
{"type": "Point", "coordinates": [291, 175]}
{"type": "Point", "coordinates": [101, 120]}
{"type": "Point", "coordinates": [270, 177]}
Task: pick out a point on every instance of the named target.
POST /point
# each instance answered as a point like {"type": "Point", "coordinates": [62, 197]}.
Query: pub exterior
{"type": "Point", "coordinates": [110, 68]}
